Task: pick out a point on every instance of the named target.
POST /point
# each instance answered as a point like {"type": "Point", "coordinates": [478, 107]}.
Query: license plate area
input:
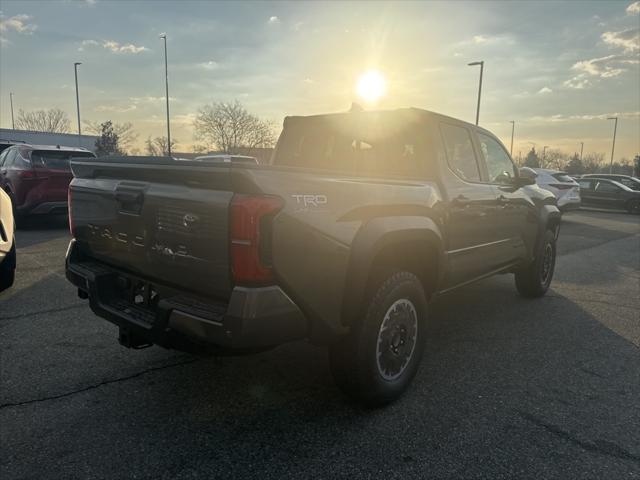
{"type": "Point", "coordinates": [136, 299]}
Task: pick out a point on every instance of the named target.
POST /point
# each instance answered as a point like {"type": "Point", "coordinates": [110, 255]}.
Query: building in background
{"type": "Point", "coordinates": [46, 138]}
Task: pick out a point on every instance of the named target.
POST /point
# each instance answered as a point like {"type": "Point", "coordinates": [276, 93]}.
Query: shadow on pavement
{"type": "Point", "coordinates": [39, 229]}
{"type": "Point", "coordinates": [509, 388]}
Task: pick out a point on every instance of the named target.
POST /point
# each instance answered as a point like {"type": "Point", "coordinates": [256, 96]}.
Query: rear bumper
{"type": "Point", "coordinates": [570, 205]}
{"type": "Point", "coordinates": [44, 208]}
{"type": "Point", "coordinates": [252, 318]}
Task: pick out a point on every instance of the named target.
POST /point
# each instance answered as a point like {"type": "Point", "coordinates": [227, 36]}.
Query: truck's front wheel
{"type": "Point", "coordinates": [376, 362]}
{"type": "Point", "coordinates": [533, 280]}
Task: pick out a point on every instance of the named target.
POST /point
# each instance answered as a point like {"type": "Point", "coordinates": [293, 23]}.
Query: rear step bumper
{"type": "Point", "coordinates": [45, 208]}
{"type": "Point", "coordinates": [156, 314]}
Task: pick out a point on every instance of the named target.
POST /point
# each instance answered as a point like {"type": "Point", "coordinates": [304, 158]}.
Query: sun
{"type": "Point", "coordinates": [371, 86]}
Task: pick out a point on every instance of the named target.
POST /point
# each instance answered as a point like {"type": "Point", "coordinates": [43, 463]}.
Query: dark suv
{"type": "Point", "coordinates": [606, 193]}
{"type": "Point", "coordinates": [36, 177]}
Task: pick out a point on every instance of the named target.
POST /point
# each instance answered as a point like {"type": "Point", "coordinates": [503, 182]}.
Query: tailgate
{"type": "Point", "coordinates": [165, 221]}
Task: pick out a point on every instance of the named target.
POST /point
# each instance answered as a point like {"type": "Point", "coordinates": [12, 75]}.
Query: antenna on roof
{"type": "Point", "coordinates": [356, 107]}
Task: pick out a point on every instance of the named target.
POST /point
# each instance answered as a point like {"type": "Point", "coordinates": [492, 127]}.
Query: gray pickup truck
{"type": "Point", "coordinates": [360, 220]}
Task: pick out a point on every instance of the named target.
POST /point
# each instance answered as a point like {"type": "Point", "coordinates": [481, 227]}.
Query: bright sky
{"type": "Point", "coordinates": [557, 69]}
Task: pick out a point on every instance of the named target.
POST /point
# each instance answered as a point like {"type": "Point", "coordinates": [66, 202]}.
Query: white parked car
{"type": "Point", "coordinates": [565, 188]}
{"type": "Point", "coordinates": [7, 242]}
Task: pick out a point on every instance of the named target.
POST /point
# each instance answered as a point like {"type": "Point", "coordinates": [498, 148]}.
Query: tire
{"type": "Point", "coordinates": [533, 280]}
{"type": "Point", "coordinates": [633, 207]}
{"type": "Point", "coordinates": [8, 269]}
{"type": "Point", "coordinates": [375, 363]}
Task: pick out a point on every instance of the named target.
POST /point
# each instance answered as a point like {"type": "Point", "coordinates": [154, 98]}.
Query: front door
{"type": "Point", "coordinates": [609, 195]}
{"type": "Point", "coordinates": [474, 243]}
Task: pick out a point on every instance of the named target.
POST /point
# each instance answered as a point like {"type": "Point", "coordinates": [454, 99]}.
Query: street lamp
{"type": "Point", "coordinates": [613, 147]}
{"type": "Point", "coordinates": [13, 125]}
{"type": "Point", "coordinates": [544, 152]}
{"type": "Point", "coordinates": [166, 83]}
{"type": "Point", "coordinates": [472, 64]}
{"type": "Point", "coordinates": [75, 68]}
{"type": "Point", "coordinates": [513, 127]}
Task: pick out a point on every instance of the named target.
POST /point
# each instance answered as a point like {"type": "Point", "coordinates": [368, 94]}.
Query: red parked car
{"type": "Point", "coordinates": [36, 177]}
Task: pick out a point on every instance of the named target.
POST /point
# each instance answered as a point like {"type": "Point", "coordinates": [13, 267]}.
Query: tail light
{"type": "Point", "coordinates": [26, 174]}
{"type": "Point", "coordinates": [250, 238]}
{"type": "Point", "coordinates": [71, 225]}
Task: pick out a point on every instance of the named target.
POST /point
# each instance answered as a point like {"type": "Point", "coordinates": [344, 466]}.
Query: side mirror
{"type": "Point", "coordinates": [520, 182]}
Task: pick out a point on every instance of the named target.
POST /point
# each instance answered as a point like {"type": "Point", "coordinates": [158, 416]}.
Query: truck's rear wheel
{"type": "Point", "coordinates": [376, 362]}
{"type": "Point", "coordinates": [534, 279]}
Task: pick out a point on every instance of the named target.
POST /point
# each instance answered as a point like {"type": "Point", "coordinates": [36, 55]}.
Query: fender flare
{"type": "Point", "coordinates": [549, 215]}
{"type": "Point", "coordinates": [371, 239]}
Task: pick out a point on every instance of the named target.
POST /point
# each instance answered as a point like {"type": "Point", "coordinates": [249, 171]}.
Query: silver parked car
{"type": "Point", "coordinates": [565, 188]}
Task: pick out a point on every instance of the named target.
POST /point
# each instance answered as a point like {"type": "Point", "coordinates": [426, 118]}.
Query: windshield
{"type": "Point", "coordinates": [55, 160]}
{"type": "Point", "coordinates": [632, 183]}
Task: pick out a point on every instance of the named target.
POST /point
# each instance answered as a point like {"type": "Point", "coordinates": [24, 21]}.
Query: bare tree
{"type": "Point", "coordinates": [126, 135]}
{"type": "Point", "coordinates": [229, 126]}
{"type": "Point", "coordinates": [592, 162]}
{"type": "Point", "coordinates": [52, 120]}
{"type": "Point", "coordinates": [557, 159]}
{"type": "Point", "coordinates": [158, 146]}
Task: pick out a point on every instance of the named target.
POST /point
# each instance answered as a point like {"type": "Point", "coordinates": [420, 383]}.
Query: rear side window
{"type": "Point", "coordinates": [627, 182]}
{"type": "Point", "coordinates": [606, 187]}
{"type": "Point", "coordinates": [55, 160]}
{"type": "Point", "coordinates": [562, 177]}
{"type": "Point", "coordinates": [460, 154]}
{"type": "Point", "coordinates": [586, 184]}
{"type": "Point", "coordinates": [11, 155]}
{"type": "Point", "coordinates": [365, 145]}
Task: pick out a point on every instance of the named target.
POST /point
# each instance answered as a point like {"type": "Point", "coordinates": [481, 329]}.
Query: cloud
{"type": "Point", "coordinates": [544, 90]}
{"type": "Point", "coordinates": [489, 40]}
{"type": "Point", "coordinates": [119, 48]}
{"type": "Point", "coordinates": [273, 20]}
{"type": "Point", "coordinates": [598, 68]}
{"type": "Point", "coordinates": [210, 65]}
{"type": "Point", "coordinates": [17, 23]}
{"type": "Point", "coordinates": [150, 99]}
{"type": "Point", "coordinates": [557, 118]}
{"type": "Point", "coordinates": [579, 82]}
{"type": "Point", "coordinates": [603, 67]}
{"type": "Point", "coordinates": [628, 40]}
{"type": "Point", "coordinates": [634, 8]}
{"type": "Point", "coordinates": [114, 108]}
{"type": "Point", "coordinates": [113, 46]}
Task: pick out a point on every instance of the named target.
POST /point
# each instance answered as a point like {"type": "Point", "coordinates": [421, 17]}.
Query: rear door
{"type": "Point", "coordinates": [609, 195]}
{"type": "Point", "coordinates": [53, 172]}
{"type": "Point", "coordinates": [474, 242]}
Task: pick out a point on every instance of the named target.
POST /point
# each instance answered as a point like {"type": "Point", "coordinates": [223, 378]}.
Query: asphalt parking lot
{"type": "Point", "coordinates": [509, 387]}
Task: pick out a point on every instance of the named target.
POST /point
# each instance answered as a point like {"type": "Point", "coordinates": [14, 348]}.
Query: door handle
{"type": "Point", "coordinates": [460, 201]}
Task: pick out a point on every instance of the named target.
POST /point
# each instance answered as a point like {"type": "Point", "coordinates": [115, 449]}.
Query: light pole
{"type": "Point", "coordinates": [75, 68]}
{"type": "Point", "coordinates": [481, 63]}
{"type": "Point", "coordinates": [544, 152]}
{"type": "Point", "coordinates": [581, 148]}
{"type": "Point", "coordinates": [166, 83]}
{"type": "Point", "coordinates": [513, 127]}
{"type": "Point", "coordinates": [613, 147]}
{"type": "Point", "coordinates": [13, 125]}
